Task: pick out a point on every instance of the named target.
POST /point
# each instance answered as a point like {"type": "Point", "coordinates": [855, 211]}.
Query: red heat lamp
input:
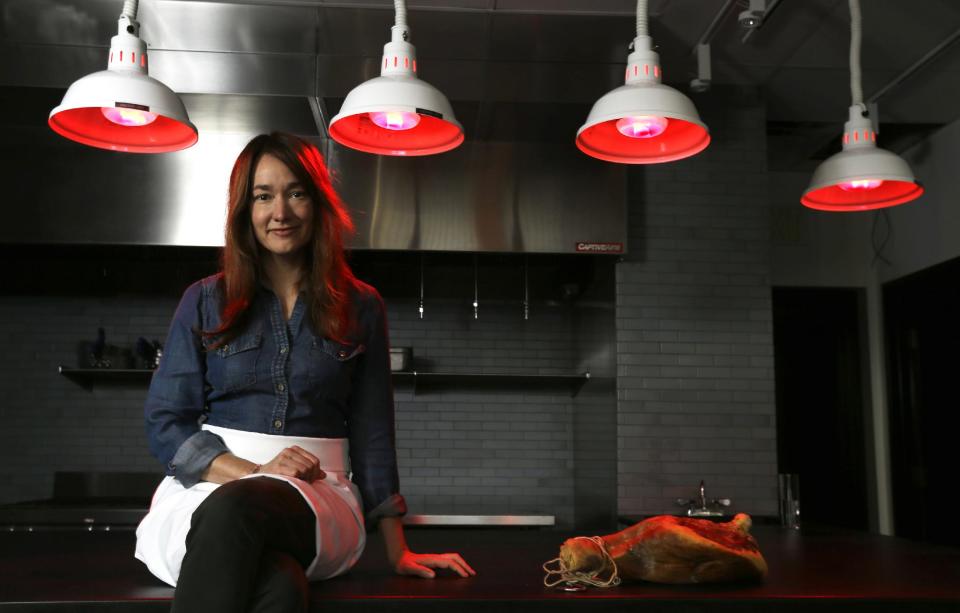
{"type": "Point", "coordinates": [862, 176]}
{"type": "Point", "coordinates": [644, 121]}
{"type": "Point", "coordinates": [397, 113]}
{"type": "Point", "coordinates": [123, 108]}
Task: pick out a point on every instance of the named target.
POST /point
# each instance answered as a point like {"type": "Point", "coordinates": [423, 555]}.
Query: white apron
{"type": "Point", "coordinates": [335, 500]}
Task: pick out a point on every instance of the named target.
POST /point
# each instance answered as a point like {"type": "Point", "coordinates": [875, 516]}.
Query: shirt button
{"type": "Point", "coordinates": [281, 387]}
{"type": "Point", "coordinates": [277, 424]}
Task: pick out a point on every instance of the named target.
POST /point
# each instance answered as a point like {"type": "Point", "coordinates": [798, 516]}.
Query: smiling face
{"type": "Point", "coordinates": [281, 211]}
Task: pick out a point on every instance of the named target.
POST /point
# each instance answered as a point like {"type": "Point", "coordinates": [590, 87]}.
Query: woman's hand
{"type": "Point", "coordinates": [295, 462]}
{"type": "Point", "coordinates": [405, 562]}
{"type": "Point", "coordinates": [422, 564]}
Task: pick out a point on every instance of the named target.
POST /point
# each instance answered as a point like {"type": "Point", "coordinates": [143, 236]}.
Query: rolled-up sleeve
{"type": "Point", "coordinates": [373, 453]}
{"type": "Point", "coordinates": [176, 397]}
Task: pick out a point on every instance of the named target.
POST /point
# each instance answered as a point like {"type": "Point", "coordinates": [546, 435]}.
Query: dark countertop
{"type": "Point", "coordinates": [814, 570]}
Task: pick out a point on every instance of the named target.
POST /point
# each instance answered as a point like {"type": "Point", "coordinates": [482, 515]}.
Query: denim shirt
{"type": "Point", "coordinates": [276, 377]}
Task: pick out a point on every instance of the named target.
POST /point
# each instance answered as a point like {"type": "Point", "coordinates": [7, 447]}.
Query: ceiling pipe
{"type": "Point", "coordinates": [714, 26]}
{"type": "Point", "coordinates": [929, 57]}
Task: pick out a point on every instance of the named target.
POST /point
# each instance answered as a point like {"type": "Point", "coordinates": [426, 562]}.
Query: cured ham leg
{"type": "Point", "coordinates": [664, 549]}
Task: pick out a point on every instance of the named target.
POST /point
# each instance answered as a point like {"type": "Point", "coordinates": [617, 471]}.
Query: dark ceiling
{"type": "Point", "coordinates": [519, 67]}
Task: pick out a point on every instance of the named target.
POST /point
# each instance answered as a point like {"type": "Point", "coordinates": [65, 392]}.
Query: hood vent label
{"type": "Point", "coordinates": [599, 247]}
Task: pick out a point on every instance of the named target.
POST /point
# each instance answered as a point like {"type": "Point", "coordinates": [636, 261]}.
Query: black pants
{"type": "Point", "coordinates": [248, 546]}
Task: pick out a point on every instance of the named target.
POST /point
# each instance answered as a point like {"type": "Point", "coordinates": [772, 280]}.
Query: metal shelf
{"type": "Point", "coordinates": [424, 380]}
{"type": "Point", "coordinates": [421, 381]}
{"type": "Point", "coordinates": [86, 377]}
{"type": "Point", "coordinates": [479, 520]}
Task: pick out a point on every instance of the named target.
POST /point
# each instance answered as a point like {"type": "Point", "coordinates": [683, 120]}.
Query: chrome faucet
{"type": "Point", "coordinates": [701, 507]}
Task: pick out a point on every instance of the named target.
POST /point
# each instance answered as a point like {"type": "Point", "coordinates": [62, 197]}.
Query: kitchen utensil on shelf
{"type": "Point", "coordinates": [93, 354]}
{"type": "Point", "coordinates": [148, 353]}
{"type": "Point", "coordinates": [401, 358]}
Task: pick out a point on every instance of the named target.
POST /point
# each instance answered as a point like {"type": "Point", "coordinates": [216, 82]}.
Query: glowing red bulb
{"type": "Point", "coordinates": [395, 120]}
{"type": "Point", "coordinates": [642, 126]}
{"type": "Point", "coordinates": [861, 185]}
{"type": "Point", "coordinates": [128, 117]}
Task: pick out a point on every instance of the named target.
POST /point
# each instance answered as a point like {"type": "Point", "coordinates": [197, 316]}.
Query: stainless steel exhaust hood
{"type": "Point", "coordinates": [485, 196]}
{"type": "Point", "coordinates": [517, 185]}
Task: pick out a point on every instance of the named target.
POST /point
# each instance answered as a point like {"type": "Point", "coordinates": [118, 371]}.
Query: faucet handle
{"type": "Point", "coordinates": [723, 502]}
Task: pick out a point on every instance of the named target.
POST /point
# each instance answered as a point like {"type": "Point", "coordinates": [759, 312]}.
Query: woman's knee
{"type": "Point", "coordinates": [227, 501]}
{"type": "Point", "coordinates": [260, 508]}
{"type": "Point", "coordinates": [237, 505]}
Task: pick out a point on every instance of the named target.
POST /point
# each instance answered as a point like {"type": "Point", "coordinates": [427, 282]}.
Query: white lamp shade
{"type": "Point", "coordinates": [685, 134]}
{"type": "Point", "coordinates": [858, 179]}
{"type": "Point", "coordinates": [437, 131]}
{"type": "Point", "coordinates": [80, 116]}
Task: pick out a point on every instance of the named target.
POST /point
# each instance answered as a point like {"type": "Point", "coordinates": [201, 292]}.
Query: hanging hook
{"type": "Point", "coordinates": [476, 293]}
{"type": "Point", "coordinates": [420, 308]}
{"type": "Point", "coordinates": [526, 289]}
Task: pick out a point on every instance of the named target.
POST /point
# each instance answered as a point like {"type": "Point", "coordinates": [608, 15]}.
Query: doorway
{"type": "Point", "coordinates": [923, 337]}
{"type": "Point", "coordinates": [818, 360]}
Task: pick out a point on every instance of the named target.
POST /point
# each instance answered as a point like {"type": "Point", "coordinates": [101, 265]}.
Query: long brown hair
{"type": "Point", "coordinates": [328, 281]}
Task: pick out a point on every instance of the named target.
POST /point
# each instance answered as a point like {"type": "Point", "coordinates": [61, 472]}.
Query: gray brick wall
{"type": "Point", "coordinates": [465, 449]}
{"type": "Point", "coordinates": [694, 346]}
{"type": "Point", "coordinates": [51, 423]}
{"type": "Point", "coordinates": [476, 448]}
{"type": "Point", "coordinates": [689, 341]}
{"type": "Point", "coordinates": [595, 420]}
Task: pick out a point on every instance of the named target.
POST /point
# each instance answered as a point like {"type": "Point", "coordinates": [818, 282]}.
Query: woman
{"type": "Point", "coordinates": [273, 388]}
